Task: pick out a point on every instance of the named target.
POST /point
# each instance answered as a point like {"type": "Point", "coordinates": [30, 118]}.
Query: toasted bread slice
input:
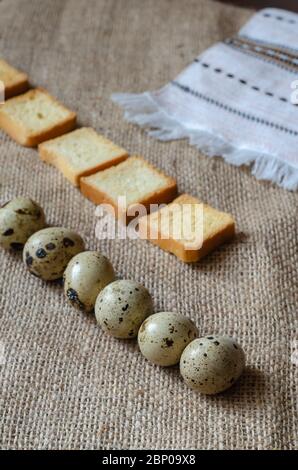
{"type": "Point", "coordinates": [14, 81]}
{"type": "Point", "coordinates": [81, 153]}
{"type": "Point", "coordinates": [34, 117]}
{"type": "Point", "coordinates": [187, 228]}
{"type": "Point", "coordinates": [136, 180]}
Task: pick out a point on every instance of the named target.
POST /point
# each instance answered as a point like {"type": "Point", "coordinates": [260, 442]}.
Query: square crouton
{"type": "Point", "coordinates": [14, 81]}
{"type": "Point", "coordinates": [34, 117]}
{"type": "Point", "coordinates": [81, 153]}
{"type": "Point", "coordinates": [135, 180]}
{"type": "Point", "coordinates": [187, 228]}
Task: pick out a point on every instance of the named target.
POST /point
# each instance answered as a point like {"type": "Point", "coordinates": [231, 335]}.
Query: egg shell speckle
{"type": "Point", "coordinates": [85, 276]}
{"type": "Point", "coordinates": [164, 335]}
{"type": "Point", "coordinates": [212, 364]}
{"type": "Point", "coordinates": [47, 252]}
{"type": "Point", "coordinates": [121, 307]}
{"type": "Point", "coordinates": [19, 219]}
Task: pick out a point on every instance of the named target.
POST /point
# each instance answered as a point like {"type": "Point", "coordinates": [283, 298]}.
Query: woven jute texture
{"type": "Point", "coordinates": [65, 384]}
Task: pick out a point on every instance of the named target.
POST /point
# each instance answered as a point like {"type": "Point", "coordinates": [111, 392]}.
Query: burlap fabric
{"type": "Point", "coordinates": [65, 384]}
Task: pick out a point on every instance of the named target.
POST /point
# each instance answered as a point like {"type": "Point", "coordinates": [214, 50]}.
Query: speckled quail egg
{"type": "Point", "coordinates": [163, 336]}
{"type": "Point", "coordinates": [19, 219]}
{"type": "Point", "coordinates": [85, 276]}
{"type": "Point", "coordinates": [47, 252]}
{"type": "Point", "coordinates": [121, 307]}
{"type": "Point", "coordinates": [212, 364]}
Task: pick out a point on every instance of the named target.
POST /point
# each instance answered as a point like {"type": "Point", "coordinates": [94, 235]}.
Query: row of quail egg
{"type": "Point", "coordinates": [123, 308]}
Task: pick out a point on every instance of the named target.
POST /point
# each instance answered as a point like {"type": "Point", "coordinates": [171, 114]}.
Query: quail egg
{"type": "Point", "coordinates": [163, 336]}
{"type": "Point", "coordinates": [121, 307]}
{"type": "Point", "coordinates": [212, 364]}
{"type": "Point", "coordinates": [19, 219]}
{"type": "Point", "coordinates": [85, 276]}
{"type": "Point", "coordinates": [47, 252]}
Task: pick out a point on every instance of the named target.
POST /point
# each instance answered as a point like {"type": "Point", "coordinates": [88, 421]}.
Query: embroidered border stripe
{"type": "Point", "coordinates": [230, 109]}
{"type": "Point", "coordinates": [275, 55]}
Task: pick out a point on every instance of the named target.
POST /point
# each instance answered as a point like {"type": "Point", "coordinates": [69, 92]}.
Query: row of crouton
{"type": "Point", "coordinates": [104, 171]}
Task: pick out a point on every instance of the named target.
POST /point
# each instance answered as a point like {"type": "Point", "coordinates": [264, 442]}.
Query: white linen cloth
{"type": "Point", "coordinates": [238, 99]}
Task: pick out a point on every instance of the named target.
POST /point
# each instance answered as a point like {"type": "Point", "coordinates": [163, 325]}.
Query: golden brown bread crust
{"type": "Point", "coordinates": [192, 256]}
{"type": "Point", "coordinates": [20, 134]}
{"type": "Point", "coordinates": [96, 196]}
{"type": "Point", "coordinates": [177, 247]}
{"type": "Point", "coordinates": [49, 156]}
{"type": "Point", "coordinates": [17, 88]}
{"type": "Point", "coordinates": [163, 196]}
{"type": "Point", "coordinates": [14, 81]}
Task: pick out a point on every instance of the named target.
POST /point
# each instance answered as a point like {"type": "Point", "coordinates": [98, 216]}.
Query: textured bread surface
{"type": "Point", "coordinates": [14, 81]}
{"type": "Point", "coordinates": [81, 153]}
{"type": "Point", "coordinates": [34, 117]}
{"type": "Point", "coordinates": [187, 228]}
{"type": "Point", "coordinates": [136, 179]}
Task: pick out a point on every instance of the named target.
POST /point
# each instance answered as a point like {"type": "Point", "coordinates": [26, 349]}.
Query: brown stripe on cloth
{"type": "Point", "coordinates": [282, 56]}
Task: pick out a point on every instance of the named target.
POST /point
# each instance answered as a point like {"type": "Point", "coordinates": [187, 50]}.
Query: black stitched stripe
{"type": "Point", "coordinates": [279, 18]}
{"type": "Point", "coordinates": [242, 81]}
{"type": "Point", "coordinates": [230, 109]}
